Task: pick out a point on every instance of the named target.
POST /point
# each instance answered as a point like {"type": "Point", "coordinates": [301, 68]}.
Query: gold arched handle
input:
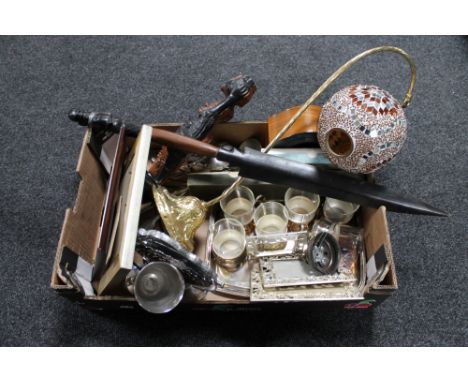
{"type": "Point", "coordinates": [321, 89]}
{"type": "Point", "coordinates": [339, 72]}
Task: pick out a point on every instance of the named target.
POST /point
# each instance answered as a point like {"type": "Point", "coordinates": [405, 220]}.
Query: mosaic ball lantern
{"type": "Point", "coordinates": [361, 128]}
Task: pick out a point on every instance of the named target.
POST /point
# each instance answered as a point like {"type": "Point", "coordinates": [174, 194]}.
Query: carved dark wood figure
{"type": "Point", "coordinates": [238, 91]}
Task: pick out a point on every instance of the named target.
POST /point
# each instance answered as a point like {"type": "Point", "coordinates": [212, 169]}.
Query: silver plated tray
{"type": "Point", "coordinates": [279, 271]}
{"type": "Point", "coordinates": [235, 283]}
{"type": "Point", "coordinates": [238, 283]}
{"type": "Point", "coordinates": [324, 292]}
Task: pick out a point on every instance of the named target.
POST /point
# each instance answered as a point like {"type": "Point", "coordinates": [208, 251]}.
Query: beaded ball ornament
{"type": "Point", "coordinates": [361, 128]}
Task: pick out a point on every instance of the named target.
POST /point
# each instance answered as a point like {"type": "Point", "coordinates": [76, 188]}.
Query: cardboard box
{"type": "Point", "coordinates": [81, 223]}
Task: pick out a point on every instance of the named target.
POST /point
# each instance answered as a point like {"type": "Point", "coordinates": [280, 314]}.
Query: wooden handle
{"type": "Point", "coordinates": [182, 143]}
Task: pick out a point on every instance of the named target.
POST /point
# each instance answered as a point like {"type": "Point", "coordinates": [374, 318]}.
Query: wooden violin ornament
{"type": "Point", "coordinates": [238, 91]}
{"type": "Point", "coordinates": [303, 133]}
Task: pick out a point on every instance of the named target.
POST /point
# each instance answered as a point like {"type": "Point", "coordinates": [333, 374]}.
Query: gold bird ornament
{"type": "Point", "coordinates": [181, 215]}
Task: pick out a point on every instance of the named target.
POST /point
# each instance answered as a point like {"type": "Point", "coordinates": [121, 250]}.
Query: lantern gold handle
{"type": "Point", "coordinates": [321, 89]}
{"type": "Point", "coordinates": [338, 73]}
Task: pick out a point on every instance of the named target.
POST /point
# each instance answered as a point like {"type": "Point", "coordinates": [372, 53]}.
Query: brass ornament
{"type": "Point", "coordinates": [181, 215]}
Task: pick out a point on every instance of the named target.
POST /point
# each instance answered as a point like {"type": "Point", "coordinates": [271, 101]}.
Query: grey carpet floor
{"type": "Point", "coordinates": [154, 79]}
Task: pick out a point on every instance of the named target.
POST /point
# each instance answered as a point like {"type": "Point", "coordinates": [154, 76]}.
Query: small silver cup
{"type": "Point", "coordinates": [339, 211]}
{"type": "Point", "coordinates": [159, 287]}
{"type": "Point", "coordinates": [302, 207]}
{"type": "Point", "coordinates": [239, 205]}
{"type": "Point", "coordinates": [270, 218]}
{"type": "Point", "coordinates": [229, 244]}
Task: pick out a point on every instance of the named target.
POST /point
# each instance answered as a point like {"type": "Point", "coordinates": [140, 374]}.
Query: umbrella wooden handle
{"type": "Point", "coordinates": [185, 144]}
